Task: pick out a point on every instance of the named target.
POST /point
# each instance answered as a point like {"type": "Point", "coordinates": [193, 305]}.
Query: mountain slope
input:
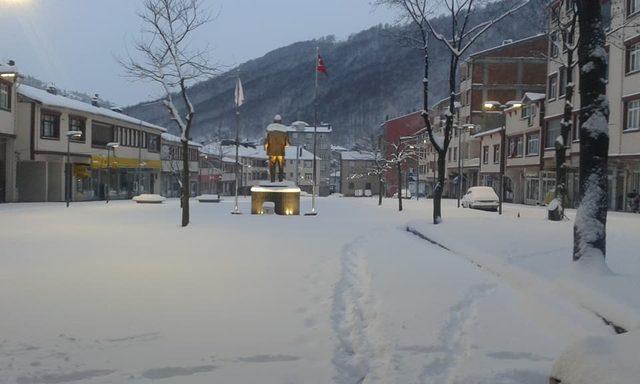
{"type": "Point", "coordinates": [372, 76]}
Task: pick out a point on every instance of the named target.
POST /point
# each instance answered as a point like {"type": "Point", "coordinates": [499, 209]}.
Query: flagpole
{"type": "Point", "coordinates": [315, 135]}
{"type": "Point", "coordinates": [236, 210]}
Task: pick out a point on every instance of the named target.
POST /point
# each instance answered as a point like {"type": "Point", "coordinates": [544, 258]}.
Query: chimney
{"type": "Point", "coordinates": [94, 100]}
{"type": "Point", "coordinates": [116, 109]}
{"type": "Point", "coordinates": [11, 63]}
{"type": "Point", "coordinates": [51, 88]}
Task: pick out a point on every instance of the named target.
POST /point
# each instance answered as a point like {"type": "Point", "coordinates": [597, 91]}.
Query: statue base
{"type": "Point", "coordinates": [284, 195]}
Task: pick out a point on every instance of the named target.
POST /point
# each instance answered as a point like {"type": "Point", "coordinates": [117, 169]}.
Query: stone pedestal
{"type": "Point", "coordinates": [285, 196]}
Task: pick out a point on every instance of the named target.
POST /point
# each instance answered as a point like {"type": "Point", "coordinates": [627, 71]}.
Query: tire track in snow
{"type": "Point", "coordinates": [452, 337]}
{"type": "Point", "coordinates": [361, 354]}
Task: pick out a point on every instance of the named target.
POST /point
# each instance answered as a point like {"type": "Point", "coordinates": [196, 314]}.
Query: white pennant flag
{"type": "Point", "coordinates": [239, 93]}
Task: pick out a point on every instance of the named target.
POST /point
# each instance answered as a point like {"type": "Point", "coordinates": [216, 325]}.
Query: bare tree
{"type": "Point", "coordinates": [400, 154]}
{"type": "Point", "coordinates": [166, 58]}
{"type": "Point", "coordinates": [459, 39]}
{"type": "Point", "coordinates": [589, 231]}
{"type": "Point", "coordinates": [380, 166]}
{"type": "Point", "coordinates": [564, 43]}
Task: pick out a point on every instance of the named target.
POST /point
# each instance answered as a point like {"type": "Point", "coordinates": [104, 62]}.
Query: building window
{"type": "Point", "coordinates": [50, 125]}
{"type": "Point", "coordinates": [5, 96]}
{"type": "Point", "coordinates": [309, 163]}
{"type": "Point", "coordinates": [154, 143]}
{"type": "Point", "coordinates": [485, 154]}
{"type": "Point", "coordinates": [533, 144]}
{"type": "Point", "coordinates": [553, 131]}
{"type": "Point", "coordinates": [515, 146]}
{"type": "Point", "coordinates": [553, 86]}
{"type": "Point", "coordinates": [633, 57]}
{"type": "Point", "coordinates": [496, 154]}
{"type": "Point", "coordinates": [632, 115]}
{"type": "Point", "coordinates": [101, 134]}
{"type": "Point", "coordinates": [553, 50]}
{"type": "Point", "coordinates": [562, 82]}
{"type": "Point", "coordinates": [77, 123]}
{"type": "Point", "coordinates": [455, 153]}
{"type": "Point", "coordinates": [633, 6]}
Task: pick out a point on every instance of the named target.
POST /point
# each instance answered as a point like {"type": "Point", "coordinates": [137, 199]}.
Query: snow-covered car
{"type": "Point", "coordinates": [480, 198]}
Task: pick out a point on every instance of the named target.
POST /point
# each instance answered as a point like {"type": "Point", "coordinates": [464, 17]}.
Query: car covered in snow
{"type": "Point", "coordinates": [480, 198]}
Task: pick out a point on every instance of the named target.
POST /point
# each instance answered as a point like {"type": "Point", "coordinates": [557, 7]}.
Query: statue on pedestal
{"type": "Point", "coordinates": [275, 143]}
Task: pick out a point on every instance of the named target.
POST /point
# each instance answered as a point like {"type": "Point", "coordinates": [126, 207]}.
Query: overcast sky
{"type": "Point", "coordinates": [73, 43]}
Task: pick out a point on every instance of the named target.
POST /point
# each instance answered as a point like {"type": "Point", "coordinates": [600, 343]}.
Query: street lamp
{"type": "Point", "coordinates": [499, 107]}
{"type": "Point", "coordinates": [70, 135]}
{"type": "Point", "coordinates": [110, 147]}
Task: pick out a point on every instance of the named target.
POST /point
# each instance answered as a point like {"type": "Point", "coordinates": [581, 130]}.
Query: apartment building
{"type": "Point", "coordinates": [112, 152]}
{"type": "Point", "coordinates": [623, 90]}
{"type": "Point", "coordinates": [301, 135]}
{"type": "Point", "coordinates": [8, 107]}
{"type": "Point", "coordinates": [172, 166]}
{"type": "Point", "coordinates": [393, 131]}
{"type": "Point", "coordinates": [355, 174]}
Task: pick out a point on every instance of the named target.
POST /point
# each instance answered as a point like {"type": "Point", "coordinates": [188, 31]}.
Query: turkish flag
{"type": "Point", "coordinates": [320, 66]}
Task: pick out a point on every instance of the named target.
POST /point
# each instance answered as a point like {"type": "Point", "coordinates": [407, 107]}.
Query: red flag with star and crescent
{"type": "Point", "coordinates": [320, 65]}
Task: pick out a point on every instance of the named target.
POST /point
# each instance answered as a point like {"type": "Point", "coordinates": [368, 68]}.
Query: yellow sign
{"type": "Point", "coordinates": [100, 162]}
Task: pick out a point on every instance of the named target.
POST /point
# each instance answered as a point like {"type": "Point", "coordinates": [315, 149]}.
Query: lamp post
{"type": "Point", "coordinates": [70, 135]}
{"type": "Point", "coordinates": [497, 106]}
{"type": "Point", "coordinates": [110, 147]}
{"type": "Point", "coordinates": [203, 160]}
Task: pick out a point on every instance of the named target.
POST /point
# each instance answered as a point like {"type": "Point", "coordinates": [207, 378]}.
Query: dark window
{"type": "Point", "coordinates": [562, 83]}
{"type": "Point", "coordinates": [553, 131]}
{"type": "Point", "coordinates": [553, 50]}
{"type": "Point", "coordinates": [101, 134]}
{"type": "Point", "coordinates": [5, 95]}
{"type": "Point", "coordinates": [633, 6]}
{"type": "Point", "coordinates": [633, 57]}
{"type": "Point", "coordinates": [533, 144]}
{"type": "Point", "coordinates": [77, 123]}
{"type": "Point", "coordinates": [485, 154]}
{"type": "Point", "coordinates": [632, 115]}
{"type": "Point", "coordinates": [496, 154]}
{"type": "Point", "coordinates": [153, 143]}
{"type": "Point", "coordinates": [50, 125]}
{"type": "Point", "coordinates": [553, 86]}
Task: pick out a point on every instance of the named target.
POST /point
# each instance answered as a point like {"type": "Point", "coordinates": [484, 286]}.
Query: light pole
{"type": "Point", "coordinates": [203, 159]}
{"type": "Point", "coordinates": [110, 147]}
{"type": "Point", "coordinates": [497, 106]}
{"type": "Point", "coordinates": [70, 135]}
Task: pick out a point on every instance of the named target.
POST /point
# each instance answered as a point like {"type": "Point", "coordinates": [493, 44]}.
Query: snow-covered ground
{"type": "Point", "coordinates": [118, 293]}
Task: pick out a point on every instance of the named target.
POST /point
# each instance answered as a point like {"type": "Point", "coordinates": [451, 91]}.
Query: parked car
{"type": "Point", "coordinates": [480, 198]}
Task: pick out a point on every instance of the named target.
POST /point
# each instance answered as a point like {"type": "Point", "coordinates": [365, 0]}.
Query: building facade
{"type": "Point", "coordinates": [8, 107]}
{"type": "Point", "coordinates": [115, 154]}
{"type": "Point", "coordinates": [356, 178]}
{"type": "Point", "coordinates": [172, 166]}
{"type": "Point", "coordinates": [301, 135]}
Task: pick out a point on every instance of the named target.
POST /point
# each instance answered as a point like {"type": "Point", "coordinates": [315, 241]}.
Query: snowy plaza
{"type": "Point", "coordinates": [114, 293]}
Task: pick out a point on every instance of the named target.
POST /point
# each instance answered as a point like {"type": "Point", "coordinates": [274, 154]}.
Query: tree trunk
{"type": "Point", "coordinates": [185, 184]}
{"type": "Point", "coordinates": [589, 231]}
{"type": "Point", "coordinates": [399, 186]}
{"type": "Point", "coordinates": [437, 191]}
{"type": "Point", "coordinates": [380, 192]}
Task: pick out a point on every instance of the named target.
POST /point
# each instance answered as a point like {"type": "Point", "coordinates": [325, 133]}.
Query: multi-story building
{"type": "Point", "coordinates": [498, 75]}
{"type": "Point", "coordinates": [394, 131]}
{"type": "Point", "coordinates": [172, 167]}
{"type": "Point", "coordinates": [8, 107]}
{"type": "Point", "coordinates": [301, 135]}
{"type": "Point", "coordinates": [113, 152]}
{"type": "Point", "coordinates": [356, 178]}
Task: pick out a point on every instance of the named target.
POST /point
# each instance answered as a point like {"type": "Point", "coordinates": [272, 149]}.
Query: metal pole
{"type": "Point", "coordinates": [108, 174]}
{"type": "Point", "coordinates": [297, 165]}
{"type": "Point", "coordinates": [315, 140]}
{"type": "Point", "coordinates": [236, 210]}
{"type": "Point", "coordinates": [418, 174]}
{"type": "Point", "coordinates": [503, 152]}
{"type": "Point", "coordinates": [67, 193]}
{"type": "Point", "coordinates": [459, 163]}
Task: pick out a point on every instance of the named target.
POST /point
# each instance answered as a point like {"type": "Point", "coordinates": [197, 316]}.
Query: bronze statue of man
{"type": "Point", "coordinates": [275, 143]}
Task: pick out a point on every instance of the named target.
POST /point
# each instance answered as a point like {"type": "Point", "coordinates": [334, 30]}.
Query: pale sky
{"type": "Point", "coordinates": [73, 43]}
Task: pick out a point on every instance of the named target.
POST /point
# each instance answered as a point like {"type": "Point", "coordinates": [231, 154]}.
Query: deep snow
{"type": "Point", "coordinates": [108, 293]}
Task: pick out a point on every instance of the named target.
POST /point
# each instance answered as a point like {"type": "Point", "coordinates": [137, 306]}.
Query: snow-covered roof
{"type": "Point", "coordinates": [338, 148]}
{"type": "Point", "coordinates": [358, 155]}
{"type": "Point", "coordinates": [533, 96]}
{"type": "Point", "coordinates": [176, 139]}
{"type": "Point", "coordinates": [498, 47]}
{"type": "Point", "coordinates": [229, 151]}
{"type": "Point", "coordinates": [60, 101]}
{"type": "Point", "coordinates": [308, 129]}
{"type": "Point", "coordinates": [489, 132]}
{"type": "Point", "coordinates": [8, 69]}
